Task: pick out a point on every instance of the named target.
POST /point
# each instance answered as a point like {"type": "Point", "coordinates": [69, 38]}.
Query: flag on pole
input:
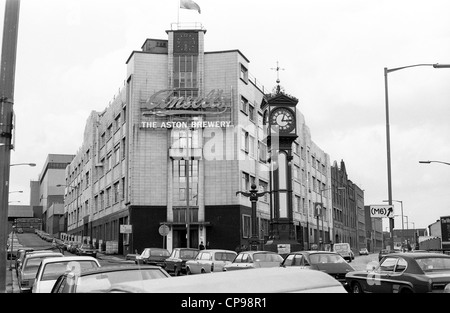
{"type": "Point", "coordinates": [190, 5]}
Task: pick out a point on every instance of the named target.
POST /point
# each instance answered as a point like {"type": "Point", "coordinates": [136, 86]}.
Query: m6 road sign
{"type": "Point", "coordinates": [382, 211]}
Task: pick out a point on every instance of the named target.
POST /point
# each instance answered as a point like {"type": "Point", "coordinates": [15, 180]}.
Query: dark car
{"type": "Point", "coordinates": [331, 263]}
{"type": "Point", "coordinates": [404, 273]}
{"type": "Point", "coordinates": [86, 249]}
{"type": "Point", "coordinates": [176, 263]}
{"type": "Point", "coordinates": [254, 259]}
{"type": "Point", "coordinates": [102, 278]}
{"type": "Point", "coordinates": [383, 253]}
{"type": "Point", "coordinates": [152, 256]}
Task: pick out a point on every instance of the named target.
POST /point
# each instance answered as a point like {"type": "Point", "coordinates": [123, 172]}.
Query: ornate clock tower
{"type": "Point", "coordinates": [281, 133]}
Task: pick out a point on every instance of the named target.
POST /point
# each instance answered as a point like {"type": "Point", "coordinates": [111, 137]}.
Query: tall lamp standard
{"type": "Point", "coordinates": [319, 213]}
{"type": "Point", "coordinates": [253, 194]}
{"type": "Point", "coordinates": [428, 162]}
{"type": "Point", "coordinates": [77, 196]}
{"type": "Point", "coordinates": [386, 72]}
{"type": "Point", "coordinates": [403, 223]}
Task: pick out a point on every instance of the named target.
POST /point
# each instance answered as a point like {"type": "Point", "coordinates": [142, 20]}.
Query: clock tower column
{"type": "Point", "coordinates": [282, 132]}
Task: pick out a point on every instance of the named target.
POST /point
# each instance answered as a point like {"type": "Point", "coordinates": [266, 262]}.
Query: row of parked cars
{"type": "Point", "coordinates": [219, 270]}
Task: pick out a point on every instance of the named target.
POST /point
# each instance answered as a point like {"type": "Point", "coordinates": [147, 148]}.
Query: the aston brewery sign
{"type": "Point", "coordinates": [166, 109]}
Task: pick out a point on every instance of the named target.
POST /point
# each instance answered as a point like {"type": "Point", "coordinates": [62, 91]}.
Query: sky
{"type": "Point", "coordinates": [71, 60]}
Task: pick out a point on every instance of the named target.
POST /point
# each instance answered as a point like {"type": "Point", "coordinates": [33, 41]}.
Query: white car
{"type": "Point", "coordinates": [208, 261]}
{"type": "Point", "coordinates": [51, 268]}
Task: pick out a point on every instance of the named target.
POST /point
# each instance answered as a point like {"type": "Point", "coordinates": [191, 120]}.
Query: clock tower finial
{"type": "Point", "coordinates": [278, 69]}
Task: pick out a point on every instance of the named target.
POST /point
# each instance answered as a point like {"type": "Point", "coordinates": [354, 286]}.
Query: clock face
{"type": "Point", "coordinates": [284, 119]}
{"type": "Point", "coordinates": [185, 43]}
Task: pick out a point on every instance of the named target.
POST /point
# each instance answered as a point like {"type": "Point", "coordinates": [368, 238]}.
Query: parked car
{"type": "Point", "coordinates": [176, 263]}
{"type": "Point", "coordinates": [329, 262]}
{"type": "Point", "coordinates": [20, 230]}
{"type": "Point", "coordinates": [20, 255]}
{"type": "Point", "coordinates": [254, 259]}
{"type": "Point", "coordinates": [24, 254]}
{"type": "Point", "coordinates": [209, 261]}
{"type": "Point", "coordinates": [404, 273]}
{"type": "Point", "coordinates": [29, 269]}
{"type": "Point", "coordinates": [102, 278]}
{"type": "Point", "coordinates": [363, 251]}
{"type": "Point", "coordinates": [383, 253]}
{"type": "Point", "coordinates": [152, 256]}
{"type": "Point", "coordinates": [257, 281]}
{"type": "Point", "coordinates": [51, 268]}
{"type": "Point", "coordinates": [86, 249]}
{"type": "Point", "coordinates": [344, 250]}
{"type": "Point", "coordinates": [73, 247]}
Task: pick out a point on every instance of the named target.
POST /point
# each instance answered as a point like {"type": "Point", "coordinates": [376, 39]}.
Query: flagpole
{"type": "Point", "coordinates": [178, 20]}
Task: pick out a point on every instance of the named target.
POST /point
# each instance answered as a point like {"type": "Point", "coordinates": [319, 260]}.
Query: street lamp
{"type": "Point", "coordinates": [29, 164]}
{"type": "Point", "coordinates": [403, 228]}
{"type": "Point", "coordinates": [428, 162]}
{"type": "Point", "coordinates": [319, 209]}
{"type": "Point", "coordinates": [253, 194]}
{"type": "Point", "coordinates": [386, 71]}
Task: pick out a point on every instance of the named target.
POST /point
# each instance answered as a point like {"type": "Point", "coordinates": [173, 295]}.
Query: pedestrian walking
{"type": "Point", "coordinates": [201, 246]}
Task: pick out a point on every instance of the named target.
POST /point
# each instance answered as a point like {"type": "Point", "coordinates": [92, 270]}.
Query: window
{"type": "Point", "coordinates": [108, 197]}
{"type": "Point", "coordinates": [298, 202]}
{"type": "Point", "coordinates": [251, 113]}
{"type": "Point", "coordinates": [245, 181]}
{"type": "Point", "coordinates": [117, 155]}
{"type": "Point", "coordinates": [262, 148]}
{"type": "Point", "coordinates": [102, 200]}
{"type": "Point", "coordinates": [244, 74]}
{"type": "Point", "coordinates": [123, 189]}
{"type": "Point", "coordinates": [244, 105]}
{"type": "Point", "coordinates": [244, 140]}
{"type": "Point", "coordinates": [116, 192]}
{"type": "Point", "coordinates": [87, 179]}
{"type": "Point", "coordinates": [296, 172]}
{"type": "Point", "coordinates": [123, 148]}
{"type": "Point", "coordinates": [246, 226]}
{"type": "Point", "coordinates": [185, 74]}
{"type": "Point", "coordinates": [263, 186]}
{"type": "Point", "coordinates": [388, 265]}
{"type": "Point", "coordinates": [117, 123]}
{"type": "Point", "coordinates": [251, 146]}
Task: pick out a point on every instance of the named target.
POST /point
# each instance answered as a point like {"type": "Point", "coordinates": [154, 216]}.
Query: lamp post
{"type": "Point", "coordinates": [253, 194]}
{"type": "Point", "coordinates": [428, 162]}
{"type": "Point", "coordinates": [386, 72]}
{"type": "Point", "coordinates": [403, 228]}
{"type": "Point", "coordinates": [29, 164]}
{"type": "Point", "coordinates": [77, 196]}
{"type": "Point", "coordinates": [319, 213]}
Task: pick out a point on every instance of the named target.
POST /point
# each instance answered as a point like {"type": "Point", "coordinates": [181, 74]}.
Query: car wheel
{"type": "Point", "coordinates": [356, 288]}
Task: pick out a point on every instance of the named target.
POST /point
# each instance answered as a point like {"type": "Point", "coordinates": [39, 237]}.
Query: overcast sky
{"type": "Point", "coordinates": [71, 58]}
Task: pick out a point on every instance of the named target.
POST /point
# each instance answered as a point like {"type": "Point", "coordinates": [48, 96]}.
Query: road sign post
{"type": "Point", "coordinates": [164, 231]}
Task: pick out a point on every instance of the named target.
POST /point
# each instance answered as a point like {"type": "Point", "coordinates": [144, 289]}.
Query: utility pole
{"type": "Point", "coordinates": [7, 71]}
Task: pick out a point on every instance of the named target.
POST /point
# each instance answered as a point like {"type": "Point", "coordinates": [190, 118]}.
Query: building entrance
{"type": "Point", "coordinates": [180, 240]}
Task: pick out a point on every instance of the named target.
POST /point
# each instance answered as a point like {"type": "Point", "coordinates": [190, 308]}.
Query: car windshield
{"type": "Point", "coordinates": [431, 264]}
{"type": "Point", "coordinates": [159, 252]}
{"type": "Point", "coordinates": [87, 246]}
{"type": "Point", "coordinates": [267, 257]}
{"type": "Point", "coordinates": [225, 256]}
{"type": "Point", "coordinates": [53, 270]}
{"type": "Point", "coordinates": [103, 281]}
{"type": "Point", "coordinates": [326, 258]}
{"type": "Point", "coordinates": [188, 254]}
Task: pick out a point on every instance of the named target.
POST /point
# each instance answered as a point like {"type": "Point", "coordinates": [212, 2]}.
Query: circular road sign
{"type": "Point", "coordinates": [164, 230]}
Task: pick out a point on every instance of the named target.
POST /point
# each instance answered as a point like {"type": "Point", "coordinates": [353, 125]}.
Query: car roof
{"type": "Point", "coordinates": [258, 251]}
{"type": "Point", "coordinates": [115, 268]}
{"type": "Point", "coordinates": [419, 255]}
{"type": "Point", "coordinates": [261, 280]}
{"type": "Point", "coordinates": [218, 250]}
{"type": "Point", "coordinates": [314, 252]}
{"type": "Point", "coordinates": [40, 255]}
{"type": "Point", "coordinates": [70, 259]}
